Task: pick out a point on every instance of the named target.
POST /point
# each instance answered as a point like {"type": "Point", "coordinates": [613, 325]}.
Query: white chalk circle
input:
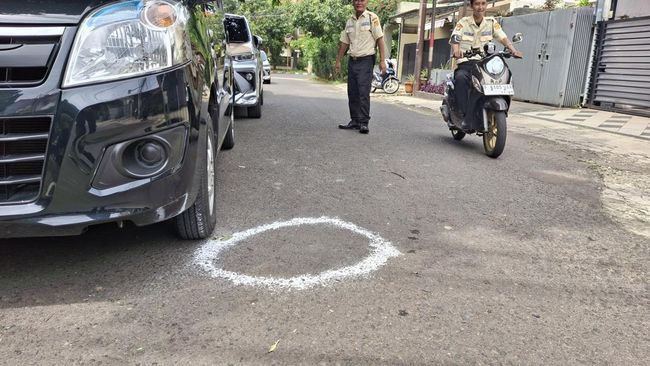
{"type": "Point", "coordinates": [381, 251]}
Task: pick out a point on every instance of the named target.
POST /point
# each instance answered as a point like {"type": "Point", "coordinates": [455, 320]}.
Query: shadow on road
{"type": "Point", "coordinates": [105, 263]}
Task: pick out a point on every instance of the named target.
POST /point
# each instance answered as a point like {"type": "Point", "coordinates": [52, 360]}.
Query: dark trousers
{"type": "Point", "coordinates": [462, 85]}
{"type": "Point", "coordinates": [359, 82]}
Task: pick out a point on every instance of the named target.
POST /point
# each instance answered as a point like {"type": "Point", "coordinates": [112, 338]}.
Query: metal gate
{"type": "Point", "coordinates": [621, 68]}
{"type": "Point", "coordinates": [556, 53]}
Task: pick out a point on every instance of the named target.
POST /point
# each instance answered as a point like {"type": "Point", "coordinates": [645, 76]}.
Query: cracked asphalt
{"type": "Point", "coordinates": [526, 259]}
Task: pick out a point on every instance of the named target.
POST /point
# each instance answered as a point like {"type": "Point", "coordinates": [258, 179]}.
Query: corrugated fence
{"type": "Point", "coordinates": [621, 69]}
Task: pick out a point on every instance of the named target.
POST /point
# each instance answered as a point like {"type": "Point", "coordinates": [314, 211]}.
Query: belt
{"type": "Point", "coordinates": [357, 58]}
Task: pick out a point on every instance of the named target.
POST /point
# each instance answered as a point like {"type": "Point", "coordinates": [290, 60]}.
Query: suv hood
{"type": "Point", "coordinates": [60, 12]}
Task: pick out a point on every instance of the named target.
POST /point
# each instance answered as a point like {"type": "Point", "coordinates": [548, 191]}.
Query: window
{"type": "Point", "coordinates": [237, 30]}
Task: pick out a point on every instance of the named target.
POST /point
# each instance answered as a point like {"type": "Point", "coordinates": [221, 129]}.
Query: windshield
{"type": "Point", "coordinates": [263, 56]}
{"type": "Point", "coordinates": [237, 30]}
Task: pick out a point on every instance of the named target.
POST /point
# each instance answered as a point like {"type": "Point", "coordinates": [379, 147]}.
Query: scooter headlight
{"type": "Point", "coordinates": [127, 39]}
{"type": "Point", "coordinates": [495, 66]}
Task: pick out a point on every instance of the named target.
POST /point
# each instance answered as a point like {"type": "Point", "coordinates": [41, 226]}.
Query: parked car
{"type": "Point", "coordinates": [243, 46]}
{"type": "Point", "coordinates": [110, 111]}
{"type": "Point", "coordinates": [266, 76]}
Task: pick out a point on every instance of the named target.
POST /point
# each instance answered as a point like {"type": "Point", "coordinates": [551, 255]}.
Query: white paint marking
{"type": "Point", "coordinates": [382, 250]}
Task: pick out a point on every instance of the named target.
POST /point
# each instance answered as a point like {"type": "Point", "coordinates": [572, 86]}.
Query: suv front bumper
{"type": "Point", "coordinates": [81, 181]}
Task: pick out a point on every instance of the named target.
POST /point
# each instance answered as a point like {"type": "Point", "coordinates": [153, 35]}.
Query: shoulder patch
{"type": "Point", "coordinates": [375, 22]}
{"type": "Point", "coordinates": [459, 26]}
{"type": "Point", "coordinates": [496, 26]}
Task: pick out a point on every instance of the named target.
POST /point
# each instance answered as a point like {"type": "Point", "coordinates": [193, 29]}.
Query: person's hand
{"type": "Point", "coordinates": [517, 54]}
{"type": "Point", "coordinates": [337, 67]}
{"type": "Point", "coordinates": [458, 53]}
{"type": "Point", "coordinates": [382, 66]}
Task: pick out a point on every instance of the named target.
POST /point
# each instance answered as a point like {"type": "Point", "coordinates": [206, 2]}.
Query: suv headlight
{"type": "Point", "coordinates": [495, 66]}
{"type": "Point", "coordinates": [127, 39]}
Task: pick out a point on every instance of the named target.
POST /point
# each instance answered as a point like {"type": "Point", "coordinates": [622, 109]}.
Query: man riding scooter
{"type": "Point", "coordinates": [473, 31]}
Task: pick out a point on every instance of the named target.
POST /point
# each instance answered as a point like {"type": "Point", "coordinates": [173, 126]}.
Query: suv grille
{"type": "Point", "coordinates": [27, 54]}
{"type": "Point", "coordinates": [23, 143]}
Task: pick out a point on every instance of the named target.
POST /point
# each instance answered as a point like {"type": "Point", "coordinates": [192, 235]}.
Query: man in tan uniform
{"type": "Point", "coordinates": [473, 32]}
{"type": "Point", "coordinates": [361, 34]}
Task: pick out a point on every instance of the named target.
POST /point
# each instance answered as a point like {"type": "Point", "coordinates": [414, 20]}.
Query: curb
{"type": "Point", "coordinates": [428, 96]}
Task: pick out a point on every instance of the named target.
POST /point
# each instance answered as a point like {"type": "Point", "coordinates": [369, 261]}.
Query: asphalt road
{"type": "Point", "coordinates": [506, 261]}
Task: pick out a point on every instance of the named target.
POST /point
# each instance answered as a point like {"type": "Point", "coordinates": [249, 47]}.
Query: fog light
{"type": "Point", "coordinates": [150, 153]}
{"type": "Point", "coordinates": [249, 76]}
{"type": "Point", "coordinates": [144, 158]}
{"type": "Point", "coordinates": [140, 159]}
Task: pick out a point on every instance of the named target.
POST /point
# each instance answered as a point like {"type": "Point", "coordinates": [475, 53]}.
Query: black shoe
{"type": "Point", "coordinates": [364, 129]}
{"type": "Point", "coordinates": [350, 126]}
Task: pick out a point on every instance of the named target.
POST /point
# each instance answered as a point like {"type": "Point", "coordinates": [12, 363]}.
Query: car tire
{"type": "Point", "coordinates": [199, 220]}
{"type": "Point", "coordinates": [256, 111]}
{"type": "Point", "coordinates": [229, 140]}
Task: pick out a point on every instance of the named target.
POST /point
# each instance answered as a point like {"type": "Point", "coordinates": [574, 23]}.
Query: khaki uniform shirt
{"type": "Point", "coordinates": [476, 36]}
{"type": "Point", "coordinates": [362, 34]}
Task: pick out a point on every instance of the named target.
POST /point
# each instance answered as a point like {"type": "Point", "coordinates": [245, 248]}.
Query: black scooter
{"type": "Point", "coordinates": [490, 95]}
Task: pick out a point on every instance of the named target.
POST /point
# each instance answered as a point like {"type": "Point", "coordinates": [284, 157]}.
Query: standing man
{"type": "Point", "coordinates": [361, 34]}
{"type": "Point", "coordinates": [473, 32]}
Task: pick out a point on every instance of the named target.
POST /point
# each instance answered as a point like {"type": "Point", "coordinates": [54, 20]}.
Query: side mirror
{"type": "Point", "coordinates": [210, 33]}
{"type": "Point", "coordinates": [518, 37]}
{"type": "Point", "coordinates": [257, 40]}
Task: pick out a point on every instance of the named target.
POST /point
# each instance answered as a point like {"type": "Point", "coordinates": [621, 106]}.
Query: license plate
{"type": "Point", "coordinates": [505, 89]}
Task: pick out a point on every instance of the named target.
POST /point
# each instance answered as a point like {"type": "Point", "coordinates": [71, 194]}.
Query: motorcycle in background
{"type": "Point", "coordinates": [490, 93]}
{"type": "Point", "coordinates": [388, 82]}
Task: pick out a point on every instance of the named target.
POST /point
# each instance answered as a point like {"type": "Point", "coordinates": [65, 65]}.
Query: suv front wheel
{"type": "Point", "coordinates": [256, 111]}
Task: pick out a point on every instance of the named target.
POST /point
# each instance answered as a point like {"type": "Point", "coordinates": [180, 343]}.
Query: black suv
{"type": "Point", "coordinates": [111, 111]}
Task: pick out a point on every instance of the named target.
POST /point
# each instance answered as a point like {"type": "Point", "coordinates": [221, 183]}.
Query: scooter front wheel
{"type": "Point", "coordinates": [494, 139]}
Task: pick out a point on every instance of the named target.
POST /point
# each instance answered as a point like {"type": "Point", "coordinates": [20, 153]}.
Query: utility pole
{"type": "Point", "coordinates": [432, 36]}
{"type": "Point", "coordinates": [420, 45]}
{"type": "Point", "coordinates": [463, 10]}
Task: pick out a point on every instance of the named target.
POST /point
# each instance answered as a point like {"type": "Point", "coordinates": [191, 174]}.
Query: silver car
{"type": "Point", "coordinates": [243, 47]}
{"type": "Point", "coordinates": [266, 76]}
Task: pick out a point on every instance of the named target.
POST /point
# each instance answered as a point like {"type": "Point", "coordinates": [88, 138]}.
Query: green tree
{"type": "Point", "coordinates": [383, 8]}
{"type": "Point", "coordinates": [321, 22]}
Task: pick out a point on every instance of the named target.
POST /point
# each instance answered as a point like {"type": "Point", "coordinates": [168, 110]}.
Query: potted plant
{"type": "Point", "coordinates": [424, 75]}
{"type": "Point", "coordinates": [408, 84]}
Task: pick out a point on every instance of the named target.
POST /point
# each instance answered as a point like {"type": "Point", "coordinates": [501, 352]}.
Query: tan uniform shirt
{"type": "Point", "coordinates": [362, 34]}
{"type": "Point", "coordinates": [476, 36]}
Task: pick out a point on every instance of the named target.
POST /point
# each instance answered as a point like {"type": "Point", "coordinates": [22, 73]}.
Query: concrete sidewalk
{"type": "Point", "coordinates": [617, 123]}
